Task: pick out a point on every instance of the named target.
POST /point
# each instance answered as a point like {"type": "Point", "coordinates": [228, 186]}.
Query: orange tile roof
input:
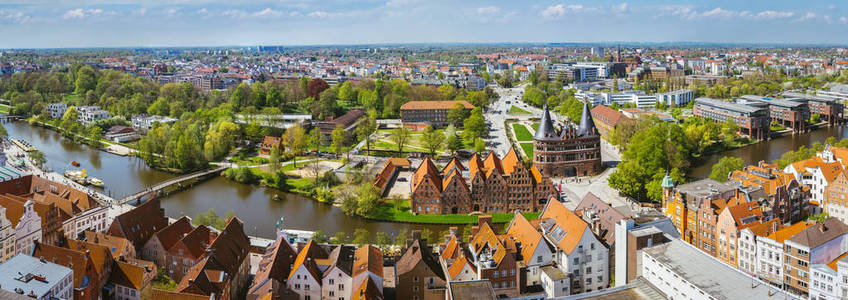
{"type": "Point", "coordinates": [493, 162]}
{"type": "Point", "coordinates": [452, 249]}
{"type": "Point", "coordinates": [445, 105]}
{"type": "Point", "coordinates": [424, 169]}
{"type": "Point", "coordinates": [573, 226]}
{"type": "Point", "coordinates": [486, 237]}
{"type": "Point", "coordinates": [172, 295]}
{"type": "Point", "coordinates": [313, 251]}
{"type": "Point", "coordinates": [510, 161]}
{"type": "Point", "coordinates": [607, 115]}
{"type": "Point", "coordinates": [840, 153]}
{"type": "Point", "coordinates": [454, 162]}
{"type": "Point", "coordinates": [475, 165]}
{"type": "Point", "coordinates": [786, 233]}
{"type": "Point", "coordinates": [765, 228]}
{"type": "Point", "coordinates": [536, 174]}
{"type": "Point", "coordinates": [522, 231]}
{"type": "Point", "coordinates": [368, 258]}
{"type": "Point", "coordinates": [133, 274]}
{"type": "Point", "coordinates": [743, 211]}
{"type": "Point", "coordinates": [457, 266]}
{"type": "Point", "coordinates": [832, 264]}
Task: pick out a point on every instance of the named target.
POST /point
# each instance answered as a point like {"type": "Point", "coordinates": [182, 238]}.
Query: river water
{"type": "Point", "coordinates": [252, 204]}
{"type": "Point", "coordinates": [768, 150]}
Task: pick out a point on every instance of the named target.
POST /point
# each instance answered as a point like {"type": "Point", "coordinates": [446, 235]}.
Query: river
{"type": "Point", "coordinates": [768, 150]}
{"type": "Point", "coordinates": [252, 204]}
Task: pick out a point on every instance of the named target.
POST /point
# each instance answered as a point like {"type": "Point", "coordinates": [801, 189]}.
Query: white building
{"type": "Point", "coordinates": [829, 281]}
{"type": "Point", "coordinates": [681, 271]}
{"type": "Point", "coordinates": [770, 256]}
{"type": "Point", "coordinates": [89, 114]}
{"type": "Point", "coordinates": [56, 110]}
{"type": "Point", "coordinates": [7, 237]}
{"type": "Point", "coordinates": [578, 250]}
{"type": "Point", "coordinates": [816, 173]}
{"type": "Point", "coordinates": [38, 279]}
{"type": "Point", "coordinates": [747, 255]}
{"type": "Point", "coordinates": [337, 281]}
{"type": "Point", "coordinates": [27, 229]}
{"type": "Point", "coordinates": [145, 122]}
{"type": "Point", "coordinates": [536, 253]}
{"type": "Point", "coordinates": [305, 277]}
{"type": "Point", "coordinates": [555, 282]}
{"type": "Point", "coordinates": [678, 97]}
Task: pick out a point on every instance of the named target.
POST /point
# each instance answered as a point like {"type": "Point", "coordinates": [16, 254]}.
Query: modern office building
{"type": "Point", "coordinates": [831, 110]}
{"type": "Point", "coordinates": [752, 121]}
{"type": "Point", "coordinates": [787, 113]}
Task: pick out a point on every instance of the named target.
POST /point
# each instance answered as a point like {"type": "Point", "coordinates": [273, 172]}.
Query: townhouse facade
{"type": "Point", "coordinates": [820, 243]}
{"type": "Point", "coordinates": [419, 275]}
{"type": "Point", "coordinates": [493, 185]}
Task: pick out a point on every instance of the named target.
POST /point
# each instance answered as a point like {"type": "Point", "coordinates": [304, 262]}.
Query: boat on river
{"type": "Point", "coordinates": [95, 182]}
{"type": "Point", "coordinates": [77, 176]}
{"type": "Point", "coordinates": [75, 163]}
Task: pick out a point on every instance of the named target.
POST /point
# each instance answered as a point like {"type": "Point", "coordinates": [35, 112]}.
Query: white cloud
{"type": "Point", "coordinates": [772, 14]}
{"type": "Point", "coordinates": [556, 11]}
{"type": "Point", "coordinates": [267, 12]}
{"type": "Point", "coordinates": [14, 17]}
{"type": "Point", "coordinates": [140, 12]}
{"type": "Point", "coordinates": [807, 16]}
{"type": "Point", "coordinates": [488, 10]}
{"type": "Point", "coordinates": [80, 13]}
{"type": "Point", "coordinates": [619, 8]}
{"type": "Point", "coordinates": [843, 20]}
{"type": "Point", "coordinates": [719, 12]}
{"type": "Point", "coordinates": [682, 12]}
{"type": "Point", "coordinates": [173, 11]}
{"type": "Point", "coordinates": [319, 14]}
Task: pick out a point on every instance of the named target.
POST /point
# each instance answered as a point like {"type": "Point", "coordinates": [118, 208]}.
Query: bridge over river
{"type": "Point", "coordinates": [173, 181]}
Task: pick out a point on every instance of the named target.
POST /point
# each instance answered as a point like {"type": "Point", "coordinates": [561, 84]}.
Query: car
{"type": "Point", "coordinates": [507, 102]}
{"type": "Point", "coordinates": [401, 179]}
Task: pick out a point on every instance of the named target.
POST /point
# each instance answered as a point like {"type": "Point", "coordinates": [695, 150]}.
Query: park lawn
{"type": "Point", "coordinates": [414, 143]}
{"type": "Point", "coordinates": [517, 111]}
{"type": "Point", "coordinates": [535, 126]}
{"type": "Point", "coordinates": [776, 128]}
{"type": "Point", "coordinates": [388, 212]}
{"type": "Point", "coordinates": [5, 109]}
{"type": "Point", "coordinates": [299, 185]}
{"type": "Point", "coordinates": [521, 132]}
{"type": "Point", "coordinates": [528, 148]}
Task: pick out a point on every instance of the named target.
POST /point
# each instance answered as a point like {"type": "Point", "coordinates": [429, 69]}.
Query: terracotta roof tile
{"type": "Point", "coordinates": [311, 251]}
{"type": "Point", "coordinates": [140, 223]}
{"type": "Point", "coordinates": [607, 115]}
{"type": "Point", "coordinates": [171, 234]}
{"type": "Point", "coordinates": [566, 222]}
{"type": "Point", "coordinates": [368, 258]}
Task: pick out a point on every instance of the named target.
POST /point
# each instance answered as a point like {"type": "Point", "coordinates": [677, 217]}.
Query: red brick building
{"type": "Point", "coordinates": [570, 151]}
{"type": "Point", "coordinates": [753, 121]}
{"type": "Point", "coordinates": [430, 112]}
{"type": "Point", "coordinates": [493, 185]}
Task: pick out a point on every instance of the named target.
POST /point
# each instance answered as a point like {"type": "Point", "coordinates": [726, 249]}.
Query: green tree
{"type": "Point", "coordinates": [475, 125]}
{"type": "Point", "coordinates": [403, 234]}
{"type": "Point", "coordinates": [95, 132]}
{"type": "Point", "coordinates": [457, 114]}
{"type": "Point", "coordinates": [69, 118]}
{"type": "Point", "coordinates": [447, 91]}
{"type": "Point", "coordinates": [477, 98]}
{"type": "Point", "coordinates": [295, 140]}
{"type": "Point", "coordinates": [240, 96]}
{"type": "Point", "coordinates": [399, 136]}
{"type": "Point", "coordinates": [369, 199]}
{"type": "Point", "coordinates": [729, 131]}
{"type": "Point", "coordinates": [454, 144]}
{"type": "Point", "coordinates": [339, 135]}
{"type": "Point", "coordinates": [479, 146]}
{"type": "Point", "coordinates": [340, 238]}
{"type": "Point", "coordinates": [725, 166]}
{"type": "Point", "coordinates": [319, 236]}
{"type": "Point", "coordinates": [366, 129]}
{"type": "Point", "coordinates": [361, 236]}
{"type": "Point", "coordinates": [274, 160]}
{"type": "Point", "coordinates": [314, 139]}
{"type": "Point", "coordinates": [347, 93]}
{"type": "Point", "coordinates": [383, 241]}
{"type": "Point", "coordinates": [37, 157]}
{"type": "Point", "coordinates": [86, 80]}
{"type": "Point", "coordinates": [433, 140]}
{"type": "Point", "coordinates": [159, 107]}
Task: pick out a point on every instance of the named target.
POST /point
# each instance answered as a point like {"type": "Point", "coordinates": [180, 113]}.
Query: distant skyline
{"type": "Point", "coordinates": [160, 23]}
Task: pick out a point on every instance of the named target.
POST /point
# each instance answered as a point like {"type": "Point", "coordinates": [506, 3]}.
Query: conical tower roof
{"type": "Point", "coordinates": [587, 125]}
{"type": "Point", "coordinates": [546, 129]}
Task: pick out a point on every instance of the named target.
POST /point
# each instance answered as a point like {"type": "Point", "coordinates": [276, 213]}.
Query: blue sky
{"type": "Point", "coordinates": [116, 23]}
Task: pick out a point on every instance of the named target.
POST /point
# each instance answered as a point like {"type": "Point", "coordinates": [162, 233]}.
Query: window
{"type": "Point", "coordinates": [331, 282]}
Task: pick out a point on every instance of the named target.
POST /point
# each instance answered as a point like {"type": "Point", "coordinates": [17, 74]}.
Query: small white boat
{"type": "Point", "coordinates": [95, 182]}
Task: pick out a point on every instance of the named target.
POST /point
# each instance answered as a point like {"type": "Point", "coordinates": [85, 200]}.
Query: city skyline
{"type": "Point", "coordinates": [95, 23]}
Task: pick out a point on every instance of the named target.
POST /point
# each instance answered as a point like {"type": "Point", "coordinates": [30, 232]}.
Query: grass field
{"type": "Point", "coordinates": [5, 109]}
{"type": "Point", "coordinates": [535, 126]}
{"type": "Point", "coordinates": [528, 148]}
{"type": "Point", "coordinates": [415, 142]}
{"type": "Point", "coordinates": [387, 212]}
{"type": "Point", "coordinates": [521, 132]}
{"type": "Point", "coordinates": [517, 111]}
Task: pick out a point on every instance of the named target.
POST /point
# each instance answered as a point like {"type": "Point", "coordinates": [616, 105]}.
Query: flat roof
{"type": "Point", "coordinates": [732, 106]}
{"type": "Point", "coordinates": [717, 279]}
{"type": "Point", "coordinates": [21, 265]}
{"type": "Point", "coordinates": [703, 187]}
{"type": "Point", "coordinates": [773, 101]}
{"type": "Point", "coordinates": [471, 290]}
{"type": "Point", "coordinates": [808, 97]}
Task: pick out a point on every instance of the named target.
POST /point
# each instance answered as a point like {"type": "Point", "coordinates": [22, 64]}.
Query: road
{"type": "Point", "coordinates": [495, 116]}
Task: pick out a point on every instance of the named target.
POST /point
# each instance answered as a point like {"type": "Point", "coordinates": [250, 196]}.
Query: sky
{"type": "Point", "coordinates": [160, 23]}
